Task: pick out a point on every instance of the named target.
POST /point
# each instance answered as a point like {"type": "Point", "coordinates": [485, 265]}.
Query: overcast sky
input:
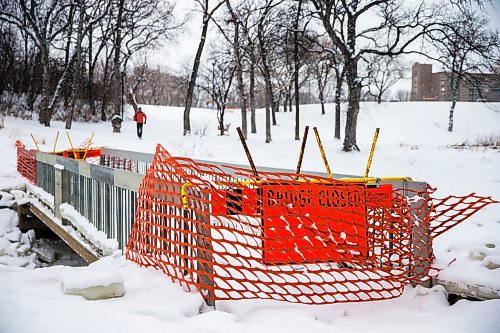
{"type": "Point", "coordinates": [179, 54]}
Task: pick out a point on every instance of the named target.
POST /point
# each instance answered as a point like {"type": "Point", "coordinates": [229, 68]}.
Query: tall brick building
{"type": "Point", "coordinates": [428, 86]}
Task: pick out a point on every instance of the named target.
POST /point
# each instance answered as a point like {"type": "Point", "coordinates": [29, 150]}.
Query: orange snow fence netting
{"type": "Point", "coordinates": [232, 235]}
{"type": "Point", "coordinates": [26, 162]}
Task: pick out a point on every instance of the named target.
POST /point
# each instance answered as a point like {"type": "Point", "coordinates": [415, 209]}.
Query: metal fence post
{"type": "Point", "coordinates": [58, 190]}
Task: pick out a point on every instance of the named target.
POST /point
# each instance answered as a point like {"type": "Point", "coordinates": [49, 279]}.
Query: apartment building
{"type": "Point", "coordinates": [429, 86]}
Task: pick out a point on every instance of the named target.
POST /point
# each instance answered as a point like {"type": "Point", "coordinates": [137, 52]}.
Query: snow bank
{"type": "Point", "coordinates": [413, 141]}
{"type": "Point", "coordinates": [83, 277]}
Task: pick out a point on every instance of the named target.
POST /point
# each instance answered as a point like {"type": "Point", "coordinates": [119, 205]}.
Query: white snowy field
{"type": "Point", "coordinates": [413, 142]}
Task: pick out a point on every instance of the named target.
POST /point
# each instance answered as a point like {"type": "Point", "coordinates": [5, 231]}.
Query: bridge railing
{"type": "Point", "coordinates": [106, 197]}
{"type": "Point", "coordinates": [106, 194]}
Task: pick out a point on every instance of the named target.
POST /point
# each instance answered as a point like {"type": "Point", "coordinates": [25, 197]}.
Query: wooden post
{"type": "Point", "coordinates": [250, 160]}
{"type": "Point", "coordinates": [302, 148]}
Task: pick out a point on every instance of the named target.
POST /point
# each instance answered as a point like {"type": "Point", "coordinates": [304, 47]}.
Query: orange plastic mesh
{"type": "Point", "coordinates": [26, 162]}
{"type": "Point", "coordinates": [281, 236]}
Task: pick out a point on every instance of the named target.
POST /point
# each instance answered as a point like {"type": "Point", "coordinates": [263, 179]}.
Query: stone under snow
{"type": "Point", "coordinates": [92, 284]}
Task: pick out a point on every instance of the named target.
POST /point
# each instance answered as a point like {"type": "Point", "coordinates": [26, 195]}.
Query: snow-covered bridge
{"type": "Point", "coordinates": [92, 207]}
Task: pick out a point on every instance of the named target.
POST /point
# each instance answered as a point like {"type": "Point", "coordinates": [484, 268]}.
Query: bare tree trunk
{"type": "Point", "coordinates": [77, 79]}
{"type": "Point", "coordinates": [285, 100]}
{"type": "Point", "coordinates": [239, 70]}
{"type": "Point", "coordinates": [273, 111]}
{"type": "Point", "coordinates": [194, 74]}
{"type": "Point", "coordinates": [116, 76]}
{"type": "Point", "coordinates": [339, 75]}
{"type": "Point", "coordinates": [267, 78]}
{"type": "Point", "coordinates": [354, 87]}
{"type": "Point", "coordinates": [296, 70]}
{"type": "Point", "coordinates": [132, 100]}
{"type": "Point", "coordinates": [450, 118]}
{"type": "Point", "coordinates": [379, 97]}
{"type": "Point", "coordinates": [105, 98]}
{"type": "Point", "coordinates": [252, 91]}
{"type": "Point", "coordinates": [322, 101]}
{"type": "Point", "coordinates": [455, 86]}
{"type": "Point", "coordinates": [90, 88]}
{"type": "Point", "coordinates": [45, 113]}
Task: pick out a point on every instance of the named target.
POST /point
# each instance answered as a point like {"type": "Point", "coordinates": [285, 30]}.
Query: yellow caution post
{"type": "Point", "coordinates": [370, 157]}
{"type": "Point", "coordinates": [322, 151]}
{"type": "Point", "coordinates": [55, 143]}
{"type": "Point", "coordinates": [71, 144]}
{"type": "Point", "coordinates": [88, 145]}
{"type": "Point", "coordinates": [36, 143]}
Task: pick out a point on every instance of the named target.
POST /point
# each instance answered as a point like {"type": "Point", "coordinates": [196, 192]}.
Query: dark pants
{"type": "Point", "coordinates": [139, 130]}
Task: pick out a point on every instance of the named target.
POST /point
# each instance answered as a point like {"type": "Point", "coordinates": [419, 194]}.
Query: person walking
{"type": "Point", "coordinates": [140, 118]}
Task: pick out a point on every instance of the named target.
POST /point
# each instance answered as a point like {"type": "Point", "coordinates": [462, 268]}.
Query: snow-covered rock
{"type": "Point", "coordinates": [92, 284]}
{"type": "Point", "coordinates": [28, 238]}
{"type": "Point", "coordinates": [491, 262]}
{"type": "Point", "coordinates": [47, 255]}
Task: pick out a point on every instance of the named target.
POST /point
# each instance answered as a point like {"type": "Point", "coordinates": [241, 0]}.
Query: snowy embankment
{"type": "Point", "coordinates": [413, 142]}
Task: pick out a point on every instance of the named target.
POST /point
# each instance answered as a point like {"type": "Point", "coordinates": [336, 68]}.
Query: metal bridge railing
{"type": "Point", "coordinates": [103, 195]}
{"type": "Point", "coordinates": [107, 194]}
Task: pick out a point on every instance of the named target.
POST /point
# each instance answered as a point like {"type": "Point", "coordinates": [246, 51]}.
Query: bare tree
{"type": "Point", "coordinates": [43, 21]}
{"type": "Point", "coordinates": [296, 68]}
{"type": "Point", "coordinates": [238, 59]}
{"type": "Point", "coordinates": [465, 45]}
{"type": "Point", "coordinates": [207, 16]}
{"type": "Point", "coordinates": [139, 25]}
{"type": "Point", "coordinates": [216, 80]}
{"type": "Point", "coordinates": [383, 73]}
{"type": "Point", "coordinates": [397, 27]}
{"type": "Point", "coordinates": [264, 33]}
{"type": "Point", "coordinates": [403, 95]}
{"type": "Point", "coordinates": [321, 67]}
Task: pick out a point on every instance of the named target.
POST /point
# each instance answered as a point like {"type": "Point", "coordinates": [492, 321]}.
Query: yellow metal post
{"type": "Point", "coordinates": [322, 151]}
{"type": "Point", "coordinates": [55, 143]}
{"type": "Point", "coordinates": [36, 143]}
{"type": "Point", "coordinates": [88, 145]}
{"type": "Point", "coordinates": [369, 163]}
{"type": "Point", "coordinates": [71, 144]}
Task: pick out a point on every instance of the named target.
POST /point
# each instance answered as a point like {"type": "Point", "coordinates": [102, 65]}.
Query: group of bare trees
{"type": "Point", "coordinates": [278, 45]}
{"type": "Point", "coordinates": [464, 45]}
{"type": "Point", "coordinates": [76, 52]}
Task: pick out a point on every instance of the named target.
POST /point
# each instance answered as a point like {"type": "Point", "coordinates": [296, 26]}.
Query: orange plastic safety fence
{"type": "Point", "coordinates": [232, 235]}
{"type": "Point", "coordinates": [26, 162]}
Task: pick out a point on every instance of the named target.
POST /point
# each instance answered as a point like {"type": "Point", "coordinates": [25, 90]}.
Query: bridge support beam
{"type": "Point", "coordinates": [84, 252]}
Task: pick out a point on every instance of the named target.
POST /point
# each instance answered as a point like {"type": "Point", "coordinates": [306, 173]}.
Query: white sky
{"type": "Point", "coordinates": [178, 55]}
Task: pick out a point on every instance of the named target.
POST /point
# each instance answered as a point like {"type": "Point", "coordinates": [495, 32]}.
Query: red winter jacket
{"type": "Point", "coordinates": [140, 117]}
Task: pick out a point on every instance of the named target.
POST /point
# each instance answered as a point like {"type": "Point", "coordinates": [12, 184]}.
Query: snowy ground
{"type": "Point", "coordinates": [413, 142]}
